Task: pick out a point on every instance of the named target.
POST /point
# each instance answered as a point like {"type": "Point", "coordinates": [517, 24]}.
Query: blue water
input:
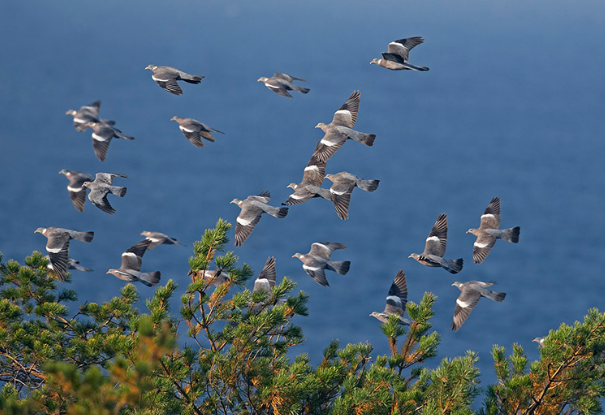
{"type": "Point", "coordinates": [512, 107]}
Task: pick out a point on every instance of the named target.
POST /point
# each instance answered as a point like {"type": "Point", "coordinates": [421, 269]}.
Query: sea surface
{"type": "Point", "coordinates": [513, 106]}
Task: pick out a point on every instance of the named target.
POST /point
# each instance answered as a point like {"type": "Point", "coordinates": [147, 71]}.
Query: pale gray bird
{"type": "Point", "coordinates": [435, 246]}
{"type": "Point", "coordinates": [57, 246]}
{"type": "Point", "coordinates": [313, 175]}
{"type": "Point", "coordinates": [102, 135]}
{"type": "Point", "coordinates": [397, 298]}
{"type": "Point", "coordinates": [87, 114]}
{"type": "Point", "coordinates": [216, 277]}
{"type": "Point", "coordinates": [71, 264]}
{"type": "Point", "coordinates": [100, 187]}
{"type": "Point", "coordinates": [396, 58]}
{"type": "Point", "coordinates": [281, 83]}
{"type": "Point", "coordinates": [194, 130]}
{"type": "Point", "coordinates": [318, 260]}
{"type": "Point", "coordinates": [341, 129]}
{"type": "Point", "coordinates": [77, 192]}
{"type": "Point", "coordinates": [252, 208]}
{"type": "Point", "coordinates": [488, 232]}
{"type": "Point", "coordinates": [267, 278]}
{"type": "Point", "coordinates": [472, 291]}
{"type": "Point", "coordinates": [130, 269]}
{"type": "Point", "coordinates": [166, 77]}
{"type": "Point", "coordinates": [158, 238]}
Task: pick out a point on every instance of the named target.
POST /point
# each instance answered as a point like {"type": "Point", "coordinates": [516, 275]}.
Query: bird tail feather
{"type": "Point", "coordinates": [278, 212]}
{"type": "Point", "coordinates": [117, 190]}
{"type": "Point", "coordinates": [192, 79]}
{"type": "Point", "coordinates": [511, 234]}
{"type": "Point", "coordinates": [368, 185]}
{"type": "Point", "coordinates": [301, 89]}
{"type": "Point", "coordinates": [340, 267]}
{"type": "Point", "coordinates": [454, 266]}
{"type": "Point", "coordinates": [150, 278]}
{"type": "Point", "coordinates": [496, 296]}
{"type": "Point", "coordinates": [83, 236]}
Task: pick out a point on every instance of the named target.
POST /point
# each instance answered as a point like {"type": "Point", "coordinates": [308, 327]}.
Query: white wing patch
{"type": "Point", "coordinates": [396, 300]}
{"type": "Point", "coordinates": [54, 250]}
{"type": "Point", "coordinates": [186, 129]}
{"type": "Point", "coordinates": [243, 221]}
{"type": "Point", "coordinates": [98, 137]}
{"type": "Point", "coordinates": [432, 238]}
{"type": "Point", "coordinates": [480, 245]}
{"type": "Point", "coordinates": [488, 216]}
{"type": "Point", "coordinates": [462, 303]}
{"type": "Point", "coordinates": [311, 268]}
{"type": "Point", "coordinates": [75, 189]}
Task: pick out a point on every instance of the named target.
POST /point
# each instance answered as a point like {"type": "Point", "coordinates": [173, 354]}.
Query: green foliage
{"type": "Point", "coordinates": [228, 352]}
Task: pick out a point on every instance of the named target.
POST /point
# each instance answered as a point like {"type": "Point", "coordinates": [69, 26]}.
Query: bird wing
{"type": "Point", "coordinates": [93, 108]}
{"type": "Point", "coordinates": [397, 297]}
{"type": "Point", "coordinates": [98, 196]}
{"type": "Point", "coordinates": [341, 202]}
{"type": "Point", "coordinates": [314, 172]}
{"type": "Point", "coordinates": [436, 242]}
{"type": "Point", "coordinates": [324, 249]}
{"type": "Point", "coordinates": [100, 145]}
{"type": "Point", "coordinates": [57, 247]}
{"type": "Point", "coordinates": [301, 194]}
{"type": "Point", "coordinates": [192, 134]}
{"type": "Point", "coordinates": [287, 77]}
{"type": "Point", "coordinates": [132, 258]}
{"type": "Point", "coordinates": [329, 144]}
{"type": "Point", "coordinates": [267, 277]}
{"type": "Point", "coordinates": [347, 113]}
{"type": "Point", "coordinates": [169, 84]}
{"type": "Point", "coordinates": [491, 217]}
{"type": "Point", "coordinates": [316, 270]}
{"type": "Point", "coordinates": [78, 196]}
{"type": "Point", "coordinates": [263, 197]}
{"type": "Point", "coordinates": [466, 301]}
{"type": "Point", "coordinates": [402, 47]}
{"type": "Point", "coordinates": [278, 87]}
{"type": "Point", "coordinates": [246, 221]}
{"type": "Point", "coordinates": [482, 246]}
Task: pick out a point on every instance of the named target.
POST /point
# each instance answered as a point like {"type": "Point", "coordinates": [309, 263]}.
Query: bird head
{"type": "Point", "coordinates": [71, 112]}
{"type": "Point", "coordinates": [236, 201]}
{"type": "Point", "coordinates": [65, 172]}
{"type": "Point", "coordinates": [415, 256]}
{"type": "Point", "coordinates": [40, 230]}
{"type": "Point", "coordinates": [262, 79]}
{"type": "Point", "coordinates": [375, 61]}
{"type": "Point", "coordinates": [293, 186]}
{"type": "Point", "coordinates": [151, 67]}
{"type": "Point", "coordinates": [299, 256]}
{"type": "Point", "coordinates": [321, 125]}
{"type": "Point", "coordinates": [457, 284]}
{"type": "Point", "coordinates": [175, 118]}
{"type": "Point", "coordinates": [472, 230]}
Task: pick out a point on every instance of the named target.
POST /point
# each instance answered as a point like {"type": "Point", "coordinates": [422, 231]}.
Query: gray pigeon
{"type": "Point", "coordinates": [195, 130]}
{"type": "Point", "coordinates": [100, 187]}
{"type": "Point", "coordinates": [267, 278]}
{"type": "Point", "coordinates": [539, 340]}
{"type": "Point", "coordinates": [396, 301]}
{"type": "Point", "coordinates": [72, 264]}
{"type": "Point", "coordinates": [472, 291]}
{"type": "Point", "coordinates": [87, 114]}
{"type": "Point", "coordinates": [435, 247]}
{"type": "Point", "coordinates": [102, 135]}
{"type": "Point", "coordinates": [130, 269]}
{"type": "Point", "coordinates": [57, 246]}
{"type": "Point", "coordinates": [158, 238]}
{"type": "Point", "coordinates": [313, 175]}
{"type": "Point", "coordinates": [166, 77]}
{"type": "Point", "coordinates": [396, 58]}
{"type": "Point", "coordinates": [216, 277]}
{"type": "Point", "coordinates": [77, 192]}
{"type": "Point", "coordinates": [488, 232]}
{"type": "Point", "coordinates": [252, 209]}
{"type": "Point", "coordinates": [341, 129]}
{"type": "Point", "coordinates": [318, 260]}
{"type": "Point", "coordinates": [281, 83]}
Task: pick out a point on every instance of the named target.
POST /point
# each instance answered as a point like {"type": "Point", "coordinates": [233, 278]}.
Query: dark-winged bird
{"type": "Point", "coordinates": [194, 130]}
{"type": "Point", "coordinates": [397, 298]}
{"type": "Point", "coordinates": [158, 238]}
{"type": "Point", "coordinates": [100, 187]}
{"type": "Point", "coordinates": [102, 135]}
{"type": "Point", "coordinates": [71, 264]}
{"type": "Point", "coordinates": [130, 269]}
{"type": "Point", "coordinates": [281, 83]}
{"type": "Point", "coordinates": [87, 114]}
{"type": "Point", "coordinates": [341, 129]}
{"type": "Point", "coordinates": [77, 192]}
{"type": "Point", "coordinates": [488, 232]}
{"type": "Point", "coordinates": [267, 278]}
{"type": "Point", "coordinates": [317, 261]}
{"type": "Point", "coordinates": [313, 175]}
{"type": "Point", "coordinates": [435, 246]}
{"type": "Point", "coordinates": [252, 208]}
{"type": "Point", "coordinates": [472, 292]}
{"type": "Point", "coordinates": [57, 246]}
{"type": "Point", "coordinates": [396, 58]}
{"type": "Point", "coordinates": [167, 77]}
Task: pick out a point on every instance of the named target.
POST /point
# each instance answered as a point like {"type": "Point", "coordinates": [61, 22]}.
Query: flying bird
{"type": "Point", "coordinates": [77, 192]}
{"type": "Point", "coordinates": [195, 130]}
{"type": "Point", "coordinates": [434, 249]}
{"type": "Point", "coordinates": [397, 298]}
{"type": "Point", "coordinates": [252, 208]}
{"type": "Point", "coordinates": [472, 291]}
{"type": "Point", "coordinates": [488, 232]}
{"type": "Point", "coordinates": [313, 175]}
{"type": "Point", "coordinates": [539, 340]}
{"type": "Point", "coordinates": [102, 135]}
{"type": "Point", "coordinates": [167, 77]}
{"type": "Point", "coordinates": [57, 246]}
{"type": "Point", "coordinates": [318, 260]}
{"type": "Point", "coordinates": [100, 187]}
{"type": "Point", "coordinates": [87, 114]}
{"type": "Point", "coordinates": [396, 58]}
{"type": "Point", "coordinates": [130, 269]}
{"type": "Point", "coordinates": [158, 238]}
{"type": "Point", "coordinates": [341, 129]}
{"type": "Point", "coordinates": [281, 83]}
